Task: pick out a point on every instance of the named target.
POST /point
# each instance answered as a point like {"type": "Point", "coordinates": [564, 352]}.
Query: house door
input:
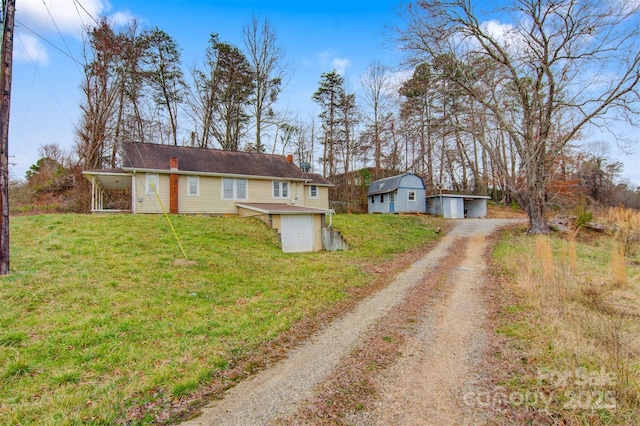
{"type": "Point", "coordinates": [296, 233]}
{"type": "Point", "coordinates": [392, 202]}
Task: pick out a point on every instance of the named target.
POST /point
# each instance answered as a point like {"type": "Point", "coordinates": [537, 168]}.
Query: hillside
{"type": "Point", "coordinates": [103, 319]}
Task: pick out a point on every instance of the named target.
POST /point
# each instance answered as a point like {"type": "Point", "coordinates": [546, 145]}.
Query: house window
{"type": "Point", "coordinates": [412, 195]}
{"type": "Point", "coordinates": [234, 189]}
{"type": "Point", "coordinates": [193, 186]}
{"type": "Point", "coordinates": [153, 184]}
{"type": "Point", "coordinates": [382, 198]}
{"type": "Point", "coordinates": [241, 189]}
{"type": "Point", "coordinates": [313, 191]}
{"type": "Point", "coordinates": [392, 198]}
{"type": "Point", "coordinates": [280, 189]}
{"type": "Point", "coordinates": [373, 199]}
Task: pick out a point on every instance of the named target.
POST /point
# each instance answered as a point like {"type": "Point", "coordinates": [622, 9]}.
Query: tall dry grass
{"type": "Point", "coordinates": [586, 309]}
{"type": "Point", "coordinates": [626, 225]}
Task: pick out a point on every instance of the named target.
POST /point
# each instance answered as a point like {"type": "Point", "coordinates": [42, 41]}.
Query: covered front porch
{"type": "Point", "coordinates": [104, 183]}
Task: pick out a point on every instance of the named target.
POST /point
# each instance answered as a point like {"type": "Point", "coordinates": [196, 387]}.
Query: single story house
{"type": "Point", "coordinates": [397, 194]}
{"type": "Point", "coordinates": [457, 206]}
{"type": "Point", "coordinates": [187, 180]}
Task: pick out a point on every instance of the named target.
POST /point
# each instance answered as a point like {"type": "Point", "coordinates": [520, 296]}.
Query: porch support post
{"type": "Point", "coordinates": [93, 194]}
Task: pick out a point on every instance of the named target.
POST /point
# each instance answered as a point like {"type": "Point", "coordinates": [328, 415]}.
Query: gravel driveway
{"type": "Point", "coordinates": [427, 382]}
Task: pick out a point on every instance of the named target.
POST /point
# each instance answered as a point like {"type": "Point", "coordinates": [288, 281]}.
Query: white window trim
{"type": "Point", "coordinates": [235, 189]}
{"type": "Point", "coordinates": [415, 198]}
{"type": "Point", "coordinates": [155, 178]}
{"type": "Point", "coordinates": [281, 185]}
{"type": "Point", "coordinates": [311, 191]}
{"type": "Point", "coordinates": [197, 179]}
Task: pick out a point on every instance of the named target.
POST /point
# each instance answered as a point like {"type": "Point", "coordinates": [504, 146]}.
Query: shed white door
{"type": "Point", "coordinates": [297, 233]}
{"type": "Point", "coordinates": [456, 211]}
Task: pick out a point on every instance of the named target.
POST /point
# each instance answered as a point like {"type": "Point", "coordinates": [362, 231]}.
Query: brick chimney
{"type": "Point", "coordinates": [173, 163]}
{"type": "Point", "coordinates": [173, 186]}
{"type": "Point", "coordinates": [290, 159]}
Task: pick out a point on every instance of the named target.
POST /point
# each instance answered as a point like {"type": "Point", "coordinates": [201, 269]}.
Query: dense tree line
{"type": "Point", "coordinates": [135, 88]}
{"type": "Point", "coordinates": [481, 110]}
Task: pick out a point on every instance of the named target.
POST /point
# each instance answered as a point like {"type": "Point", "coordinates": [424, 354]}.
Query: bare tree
{"type": "Point", "coordinates": [101, 85]}
{"type": "Point", "coordinates": [376, 90]}
{"type": "Point", "coordinates": [348, 118]}
{"type": "Point", "coordinates": [202, 96]}
{"type": "Point", "coordinates": [269, 73]}
{"type": "Point", "coordinates": [560, 66]}
{"type": "Point", "coordinates": [130, 122]}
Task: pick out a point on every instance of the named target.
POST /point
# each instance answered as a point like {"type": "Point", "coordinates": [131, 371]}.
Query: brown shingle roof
{"type": "Point", "coordinates": [156, 157]}
{"type": "Point", "coordinates": [316, 179]}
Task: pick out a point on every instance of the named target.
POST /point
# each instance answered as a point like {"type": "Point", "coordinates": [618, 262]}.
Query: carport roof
{"type": "Point", "coordinates": [111, 178]}
{"type": "Point", "coordinates": [465, 196]}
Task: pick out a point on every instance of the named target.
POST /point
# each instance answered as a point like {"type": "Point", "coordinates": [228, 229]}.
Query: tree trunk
{"type": "Point", "coordinates": [534, 204]}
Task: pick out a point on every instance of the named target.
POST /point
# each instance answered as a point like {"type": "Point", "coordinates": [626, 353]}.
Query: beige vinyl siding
{"type": "Point", "coordinates": [210, 199]}
{"type": "Point", "coordinates": [150, 203]}
{"type": "Point", "coordinates": [243, 212]}
{"type": "Point", "coordinates": [276, 222]}
{"type": "Point", "coordinates": [262, 192]}
{"type": "Point", "coordinates": [317, 232]}
{"type": "Point", "coordinates": [322, 202]}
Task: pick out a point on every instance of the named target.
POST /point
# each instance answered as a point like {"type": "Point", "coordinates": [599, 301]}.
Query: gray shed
{"type": "Point", "coordinates": [397, 194]}
{"type": "Point", "coordinates": [457, 206]}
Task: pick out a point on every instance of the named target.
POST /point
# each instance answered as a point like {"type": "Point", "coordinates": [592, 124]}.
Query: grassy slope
{"type": "Point", "coordinates": [97, 316]}
{"type": "Point", "coordinates": [570, 348]}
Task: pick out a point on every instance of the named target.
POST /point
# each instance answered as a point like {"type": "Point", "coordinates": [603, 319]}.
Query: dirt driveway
{"type": "Point", "coordinates": [435, 365]}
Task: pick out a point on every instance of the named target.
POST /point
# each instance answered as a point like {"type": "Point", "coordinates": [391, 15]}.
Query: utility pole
{"type": "Point", "coordinates": [6, 65]}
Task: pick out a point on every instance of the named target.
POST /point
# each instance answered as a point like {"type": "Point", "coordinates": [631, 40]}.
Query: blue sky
{"type": "Point", "coordinates": [316, 36]}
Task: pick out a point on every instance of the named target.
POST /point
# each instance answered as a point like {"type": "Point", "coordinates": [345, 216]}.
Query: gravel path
{"type": "Point", "coordinates": [429, 378]}
{"type": "Point", "coordinates": [440, 362]}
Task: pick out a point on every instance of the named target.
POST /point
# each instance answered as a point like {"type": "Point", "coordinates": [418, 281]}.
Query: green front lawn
{"type": "Point", "coordinates": [100, 315]}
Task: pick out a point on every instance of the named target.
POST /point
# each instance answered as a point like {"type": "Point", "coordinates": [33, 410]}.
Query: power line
{"type": "Point", "coordinates": [85, 11]}
{"type": "Point", "coordinates": [78, 12]}
{"type": "Point", "coordinates": [58, 30]}
{"type": "Point", "coordinates": [44, 80]}
{"type": "Point", "coordinates": [50, 43]}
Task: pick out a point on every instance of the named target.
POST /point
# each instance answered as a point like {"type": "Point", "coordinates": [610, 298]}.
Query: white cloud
{"type": "Point", "coordinates": [67, 15]}
{"type": "Point", "coordinates": [121, 18]}
{"type": "Point", "coordinates": [340, 65]}
{"type": "Point", "coordinates": [397, 78]}
{"type": "Point", "coordinates": [497, 30]}
{"type": "Point", "coordinates": [325, 57]}
{"type": "Point", "coordinates": [27, 47]}
{"type": "Point", "coordinates": [328, 59]}
{"type": "Point", "coordinates": [53, 19]}
{"type": "Point", "coordinates": [506, 35]}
